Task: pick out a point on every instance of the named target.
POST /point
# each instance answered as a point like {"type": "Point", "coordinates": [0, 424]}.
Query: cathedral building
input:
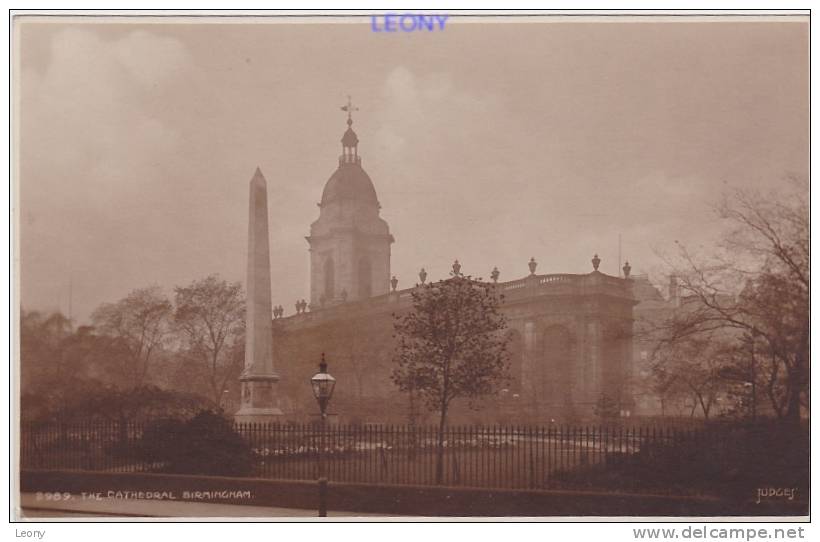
{"type": "Point", "coordinates": [571, 333]}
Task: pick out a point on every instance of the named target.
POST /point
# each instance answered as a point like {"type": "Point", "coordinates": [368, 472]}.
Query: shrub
{"type": "Point", "coordinates": [607, 408]}
{"type": "Point", "coordinates": [205, 444]}
{"type": "Point", "coordinates": [728, 460]}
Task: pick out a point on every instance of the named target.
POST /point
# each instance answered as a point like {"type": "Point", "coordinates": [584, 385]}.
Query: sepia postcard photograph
{"type": "Point", "coordinates": [410, 265]}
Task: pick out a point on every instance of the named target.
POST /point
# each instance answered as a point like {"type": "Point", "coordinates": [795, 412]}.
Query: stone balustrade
{"type": "Point", "coordinates": [514, 291]}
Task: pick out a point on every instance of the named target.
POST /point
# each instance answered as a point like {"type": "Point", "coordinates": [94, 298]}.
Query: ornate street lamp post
{"type": "Point", "coordinates": [322, 384]}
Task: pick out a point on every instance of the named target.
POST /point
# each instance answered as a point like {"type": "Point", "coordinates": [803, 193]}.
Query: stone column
{"type": "Point", "coordinates": [260, 402]}
{"type": "Point", "coordinates": [596, 338]}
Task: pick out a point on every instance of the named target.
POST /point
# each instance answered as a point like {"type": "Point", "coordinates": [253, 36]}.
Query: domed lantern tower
{"type": "Point", "coordinates": [349, 242]}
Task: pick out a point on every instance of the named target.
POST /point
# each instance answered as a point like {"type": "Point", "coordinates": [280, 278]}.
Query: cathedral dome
{"type": "Point", "coordinates": [349, 182]}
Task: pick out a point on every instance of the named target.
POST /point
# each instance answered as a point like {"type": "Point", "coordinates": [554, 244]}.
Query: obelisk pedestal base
{"type": "Point", "coordinates": [260, 403]}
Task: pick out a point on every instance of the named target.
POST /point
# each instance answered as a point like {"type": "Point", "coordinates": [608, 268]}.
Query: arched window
{"type": "Point", "coordinates": [329, 278]}
{"type": "Point", "coordinates": [365, 278]}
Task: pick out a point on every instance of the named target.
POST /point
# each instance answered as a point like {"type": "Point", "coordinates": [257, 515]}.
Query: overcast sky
{"type": "Point", "coordinates": [490, 143]}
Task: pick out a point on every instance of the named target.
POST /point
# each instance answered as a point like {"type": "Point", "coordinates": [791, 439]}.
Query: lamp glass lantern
{"type": "Point", "coordinates": [323, 384]}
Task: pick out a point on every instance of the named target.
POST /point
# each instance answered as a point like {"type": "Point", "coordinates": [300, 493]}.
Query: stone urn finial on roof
{"type": "Point", "coordinates": [596, 261]}
{"type": "Point", "coordinates": [532, 265]}
{"type": "Point", "coordinates": [422, 275]}
{"type": "Point", "coordinates": [495, 274]}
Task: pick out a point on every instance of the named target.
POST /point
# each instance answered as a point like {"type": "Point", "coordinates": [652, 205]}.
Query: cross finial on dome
{"type": "Point", "coordinates": [350, 109]}
{"type": "Point", "coordinates": [350, 141]}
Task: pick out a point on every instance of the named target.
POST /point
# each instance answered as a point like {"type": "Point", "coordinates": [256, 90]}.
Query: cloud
{"type": "Point", "coordinates": [148, 58]}
{"type": "Point", "coordinates": [90, 82]}
{"type": "Point", "coordinates": [423, 111]}
{"type": "Point", "coordinates": [137, 147]}
{"type": "Point", "coordinates": [91, 149]}
{"type": "Point", "coordinates": [400, 88]}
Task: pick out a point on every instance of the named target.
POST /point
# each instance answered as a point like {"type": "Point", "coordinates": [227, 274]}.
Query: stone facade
{"type": "Point", "coordinates": [571, 343]}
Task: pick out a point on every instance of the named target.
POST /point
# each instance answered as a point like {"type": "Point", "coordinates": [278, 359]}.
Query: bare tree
{"type": "Point", "coordinates": [210, 315]}
{"type": "Point", "coordinates": [758, 286]}
{"type": "Point", "coordinates": [693, 365]}
{"type": "Point", "coordinates": [451, 345]}
{"type": "Point", "coordinates": [136, 327]}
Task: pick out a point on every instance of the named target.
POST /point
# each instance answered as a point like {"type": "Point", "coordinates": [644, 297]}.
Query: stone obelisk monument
{"type": "Point", "coordinates": [259, 398]}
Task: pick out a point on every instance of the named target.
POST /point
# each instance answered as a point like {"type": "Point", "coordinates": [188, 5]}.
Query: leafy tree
{"type": "Point", "coordinates": [58, 364]}
{"type": "Point", "coordinates": [42, 338]}
{"type": "Point", "coordinates": [451, 345]}
{"type": "Point", "coordinates": [210, 315]}
{"type": "Point", "coordinates": [135, 327]}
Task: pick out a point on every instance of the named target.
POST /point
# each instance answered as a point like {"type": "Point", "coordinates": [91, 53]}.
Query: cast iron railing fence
{"type": "Point", "coordinates": [517, 457]}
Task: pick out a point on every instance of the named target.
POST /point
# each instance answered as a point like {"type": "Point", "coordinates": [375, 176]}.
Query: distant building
{"type": "Point", "coordinates": [572, 334]}
{"type": "Point", "coordinates": [651, 311]}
